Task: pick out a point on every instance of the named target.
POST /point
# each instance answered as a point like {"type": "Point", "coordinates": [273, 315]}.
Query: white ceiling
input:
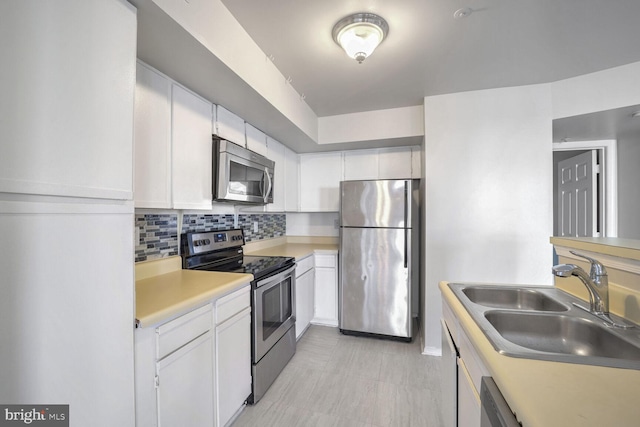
{"type": "Point", "coordinates": [428, 52]}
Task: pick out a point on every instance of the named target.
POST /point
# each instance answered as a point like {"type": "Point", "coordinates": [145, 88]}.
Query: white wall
{"type": "Point", "coordinates": [604, 90]}
{"type": "Point", "coordinates": [206, 21]}
{"type": "Point", "coordinates": [372, 125]}
{"type": "Point", "coordinates": [312, 224]}
{"type": "Point", "coordinates": [488, 213]}
{"type": "Point", "coordinates": [628, 189]}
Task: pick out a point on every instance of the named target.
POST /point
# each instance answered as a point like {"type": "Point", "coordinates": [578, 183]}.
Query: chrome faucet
{"type": "Point", "coordinates": [597, 282]}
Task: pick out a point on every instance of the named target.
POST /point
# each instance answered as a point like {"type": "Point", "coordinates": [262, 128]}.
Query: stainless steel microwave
{"type": "Point", "coordinates": [240, 175]}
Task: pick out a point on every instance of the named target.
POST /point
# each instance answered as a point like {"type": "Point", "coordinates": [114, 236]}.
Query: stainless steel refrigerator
{"type": "Point", "coordinates": [379, 257]}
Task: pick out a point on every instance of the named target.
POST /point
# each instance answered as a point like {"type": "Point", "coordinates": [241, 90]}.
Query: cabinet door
{"type": "Point", "coordinates": [468, 399]}
{"type": "Point", "coordinates": [304, 301]}
{"type": "Point", "coordinates": [67, 84]}
{"type": "Point", "coordinates": [233, 362]}
{"type": "Point", "coordinates": [395, 163]}
{"type": "Point", "coordinates": [275, 152]}
{"type": "Point", "coordinates": [152, 139]}
{"type": "Point", "coordinates": [320, 176]}
{"type": "Point", "coordinates": [326, 290]}
{"type": "Point", "coordinates": [191, 150]}
{"type": "Point", "coordinates": [361, 164]}
{"type": "Point", "coordinates": [256, 140]}
{"type": "Point", "coordinates": [185, 385]}
{"type": "Point", "coordinates": [291, 181]}
{"type": "Point", "coordinates": [230, 127]}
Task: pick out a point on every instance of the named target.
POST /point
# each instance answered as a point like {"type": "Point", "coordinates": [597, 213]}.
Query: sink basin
{"type": "Point", "coordinates": [544, 323]}
{"type": "Point", "coordinates": [557, 333]}
{"type": "Point", "coordinates": [512, 298]}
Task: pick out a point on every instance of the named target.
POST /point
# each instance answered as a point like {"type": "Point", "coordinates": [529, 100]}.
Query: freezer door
{"type": "Point", "coordinates": [375, 295]}
{"type": "Point", "coordinates": [375, 203]}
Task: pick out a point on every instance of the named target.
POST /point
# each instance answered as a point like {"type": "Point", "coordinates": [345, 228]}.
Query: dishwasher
{"type": "Point", "coordinates": [494, 409]}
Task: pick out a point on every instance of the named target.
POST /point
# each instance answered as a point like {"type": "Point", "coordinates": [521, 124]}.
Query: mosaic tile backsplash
{"type": "Point", "coordinates": [159, 232]}
{"type": "Point", "coordinates": [158, 236]}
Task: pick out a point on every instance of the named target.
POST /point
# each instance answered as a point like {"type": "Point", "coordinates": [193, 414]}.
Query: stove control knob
{"type": "Point", "coordinates": [207, 241]}
{"type": "Point", "coordinates": [196, 243]}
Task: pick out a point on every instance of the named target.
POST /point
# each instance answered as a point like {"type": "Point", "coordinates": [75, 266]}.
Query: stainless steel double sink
{"type": "Point", "coordinates": [544, 323]}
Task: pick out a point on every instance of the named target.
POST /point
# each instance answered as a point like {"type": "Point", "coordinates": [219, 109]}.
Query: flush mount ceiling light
{"type": "Point", "coordinates": [359, 34]}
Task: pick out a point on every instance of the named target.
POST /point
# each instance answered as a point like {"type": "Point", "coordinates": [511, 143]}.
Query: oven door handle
{"type": "Point", "coordinates": [275, 280]}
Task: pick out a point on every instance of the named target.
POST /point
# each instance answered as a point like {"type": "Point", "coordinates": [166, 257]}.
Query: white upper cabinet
{"type": "Point", "coordinates": [382, 163]}
{"type": "Point", "coordinates": [395, 163]}
{"type": "Point", "coordinates": [275, 152]}
{"type": "Point", "coordinates": [320, 176]}
{"type": "Point", "coordinates": [360, 164]}
{"type": "Point", "coordinates": [67, 86]}
{"type": "Point", "coordinates": [191, 150]}
{"type": "Point", "coordinates": [229, 126]}
{"type": "Point", "coordinates": [152, 139]}
{"type": "Point", "coordinates": [256, 140]}
{"type": "Point", "coordinates": [291, 181]}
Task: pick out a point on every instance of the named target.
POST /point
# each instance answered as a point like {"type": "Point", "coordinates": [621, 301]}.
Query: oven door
{"type": "Point", "coordinates": [242, 180]}
{"type": "Point", "coordinates": [273, 310]}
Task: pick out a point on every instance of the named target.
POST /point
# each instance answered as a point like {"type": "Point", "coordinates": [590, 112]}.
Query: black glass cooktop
{"type": "Point", "coordinates": [259, 266]}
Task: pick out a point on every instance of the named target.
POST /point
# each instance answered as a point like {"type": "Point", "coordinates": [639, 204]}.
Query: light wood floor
{"type": "Point", "coordinates": [340, 380]}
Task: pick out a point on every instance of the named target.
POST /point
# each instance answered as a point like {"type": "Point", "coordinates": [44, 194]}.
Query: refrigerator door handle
{"type": "Point", "coordinates": [406, 247]}
{"type": "Point", "coordinates": [406, 224]}
{"type": "Point", "coordinates": [406, 204]}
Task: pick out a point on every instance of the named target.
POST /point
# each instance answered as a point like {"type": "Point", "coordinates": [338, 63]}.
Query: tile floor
{"type": "Point", "coordinates": [340, 380]}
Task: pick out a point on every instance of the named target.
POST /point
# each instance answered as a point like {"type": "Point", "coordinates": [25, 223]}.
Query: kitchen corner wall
{"type": "Point", "coordinates": [159, 232]}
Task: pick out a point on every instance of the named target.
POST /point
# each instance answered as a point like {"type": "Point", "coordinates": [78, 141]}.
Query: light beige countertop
{"type": "Point", "coordinates": [548, 394]}
{"type": "Point", "coordinates": [164, 290]}
{"type": "Point", "coordinates": [614, 246]}
{"type": "Point", "coordinates": [293, 247]}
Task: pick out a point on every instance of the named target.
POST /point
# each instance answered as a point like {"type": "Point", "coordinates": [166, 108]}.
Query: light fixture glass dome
{"type": "Point", "coordinates": [360, 34]}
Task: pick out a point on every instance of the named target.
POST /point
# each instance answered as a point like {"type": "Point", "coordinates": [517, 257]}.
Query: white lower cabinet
{"type": "Point", "coordinates": [185, 395]}
{"type": "Point", "coordinates": [304, 294]}
{"type": "Point", "coordinates": [195, 370]}
{"type": "Point", "coordinates": [326, 290]}
{"type": "Point", "coordinates": [233, 355]}
{"type": "Point", "coordinates": [467, 380]}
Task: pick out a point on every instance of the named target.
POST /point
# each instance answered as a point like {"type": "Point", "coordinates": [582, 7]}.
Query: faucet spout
{"type": "Point", "coordinates": [596, 281]}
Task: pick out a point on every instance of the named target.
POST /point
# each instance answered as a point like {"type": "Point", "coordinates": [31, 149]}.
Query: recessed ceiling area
{"type": "Point", "coordinates": [618, 123]}
{"type": "Point", "coordinates": [429, 52]}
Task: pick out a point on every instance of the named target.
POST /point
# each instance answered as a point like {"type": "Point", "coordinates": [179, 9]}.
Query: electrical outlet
{"type": "Point", "coordinates": [336, 223]}
{"type": "Point", "coordinates": [255, 226]}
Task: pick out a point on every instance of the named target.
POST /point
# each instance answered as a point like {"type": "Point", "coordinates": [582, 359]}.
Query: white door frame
{"type": "Point", "coordinates": [609, 149]}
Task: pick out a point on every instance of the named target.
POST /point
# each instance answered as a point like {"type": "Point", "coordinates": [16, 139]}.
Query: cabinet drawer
{"type": "Point", "coordinates": [325, 261]}
{"type": "Point", "coordinates": [178, 332]}
{"type": "Point", "coordinates": [232, 304]}
{"type": "Point", "coordinates": [304, 265]}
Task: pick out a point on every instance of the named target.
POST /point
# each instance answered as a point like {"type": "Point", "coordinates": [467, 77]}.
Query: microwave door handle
{"type": "Point", "coordinates": [266, 194]}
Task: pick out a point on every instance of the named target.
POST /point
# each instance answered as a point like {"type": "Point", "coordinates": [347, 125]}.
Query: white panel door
{"type": "Point", "coordinates": [191, 150]}
{"type": "Point", "coordinates": [152, 139]}
{"type": "Point", "coordinates": [578, 196]}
